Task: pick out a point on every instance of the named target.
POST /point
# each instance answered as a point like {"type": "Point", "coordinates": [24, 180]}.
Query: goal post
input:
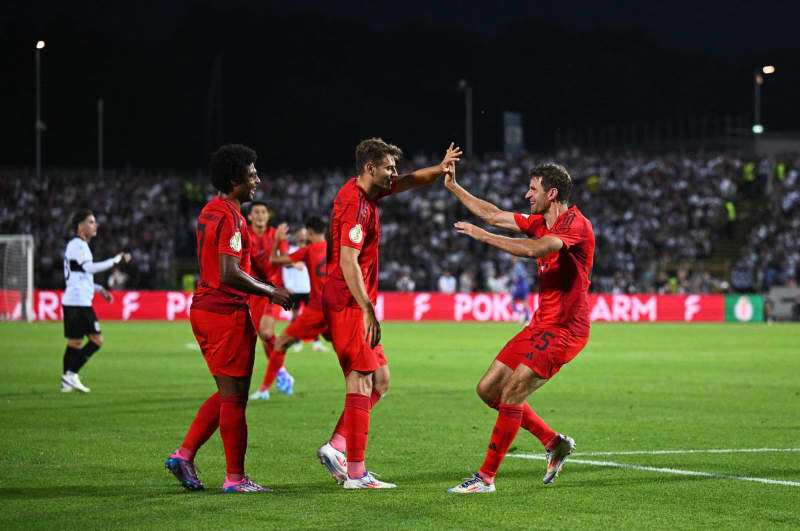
{"type": "Point", "coordinates": [16, 277]}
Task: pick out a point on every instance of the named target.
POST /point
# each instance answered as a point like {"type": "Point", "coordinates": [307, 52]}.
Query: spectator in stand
{"type": "Point", "coordinates": [118, 279]}
{"type": "Point", "coordinates": [466, 281]}
{"type": "Point", "coordinates": [678, 215]}
{"type": "Point", "coordinates": [497, 283]}
{"type": "Point", "coordinates": [405, 283]}
{"type": "Point", "coordinates": [447, 282]}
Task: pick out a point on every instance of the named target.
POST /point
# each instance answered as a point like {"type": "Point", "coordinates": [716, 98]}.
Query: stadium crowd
{"type": "Point", "coordinates": [657, 219]}
{"type": "Point", "coordinates": [135, 212]}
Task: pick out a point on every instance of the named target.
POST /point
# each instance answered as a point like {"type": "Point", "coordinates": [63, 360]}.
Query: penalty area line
{"type": "Point", "coordinates": [666, 470]}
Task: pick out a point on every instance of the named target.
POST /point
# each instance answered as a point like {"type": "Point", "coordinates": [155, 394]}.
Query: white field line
{"type": "Point", "coordinates": [710, 451]}
{"type": "Point", "coordinates": [664, 470]}
{"type": "Point", "coordinates": [192, 346]}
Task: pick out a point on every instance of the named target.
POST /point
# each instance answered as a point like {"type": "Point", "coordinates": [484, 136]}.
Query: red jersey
{"type": "Point", "coordinates": [355, 222]}
{"type": "Point", "coordinates": [221, 229]}
{"type": "Point", "coordinates": [563, 275]}
{"type": "Point", "coordinates": [315, 258]}
{"type": "Point", "coordinates": [259, 259]}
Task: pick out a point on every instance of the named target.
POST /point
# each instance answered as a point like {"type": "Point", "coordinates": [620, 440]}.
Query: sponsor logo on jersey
{"type": "Point", "coordinates": [356, 234]}
{"type": "Point", "coordinates": [236, 241]}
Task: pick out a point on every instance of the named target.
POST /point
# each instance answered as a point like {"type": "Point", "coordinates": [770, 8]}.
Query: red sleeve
{"type": "Point", "coordinates": [230, 237]}
{"type": "Point", "coordinates": [283, 247]}
{"type": "Point", "coordinates": [569, 229]}
{"type": "Point", "coordinates": [353, 226]}
{"type": "Point", "coordinates": [526, 223]}
{"type": "Point", "coordinates": [300, 254]}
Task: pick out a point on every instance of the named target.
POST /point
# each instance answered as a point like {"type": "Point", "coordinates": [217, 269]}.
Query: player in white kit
{"type": "Point", "coordinates": [79, 317]}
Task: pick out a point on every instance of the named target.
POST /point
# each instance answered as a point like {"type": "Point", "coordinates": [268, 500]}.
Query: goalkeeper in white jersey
{"type": "Point", "coordinates": [79, 317]}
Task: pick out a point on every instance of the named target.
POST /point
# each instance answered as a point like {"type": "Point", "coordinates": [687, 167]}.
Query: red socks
{"type": "Point", "coordinates": [233, 429]}
{"type": "Point", "coordinates": [356, 422]}
{"type": "Point", "coordinates": [504, 432]}
{"type": "Point", "coordinates": [340, 432]}
{"type": "Point", "coordinates": [533, 423]}
{"type": "Point", "coordinates": [275, 362]}
{"type": "Point", "coordinates": [204, 425]}
{"type": "Point", "coordinates": [374, 397]}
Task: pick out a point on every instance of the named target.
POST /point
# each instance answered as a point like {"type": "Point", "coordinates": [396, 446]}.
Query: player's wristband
{"type": "Point", "coordinates": [118, 258]}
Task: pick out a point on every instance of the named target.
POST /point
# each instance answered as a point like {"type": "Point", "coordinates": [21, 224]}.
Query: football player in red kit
{"type": "Point", "coordinates": [349, 296]}
{"type": "Point", "coordinates": [561, 240]}
{"type": "Point", "coordinates": [221, 321]}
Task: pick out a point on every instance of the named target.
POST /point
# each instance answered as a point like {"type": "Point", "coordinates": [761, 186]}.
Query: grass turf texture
{"type": "Point", "coordinates": [96, 460]}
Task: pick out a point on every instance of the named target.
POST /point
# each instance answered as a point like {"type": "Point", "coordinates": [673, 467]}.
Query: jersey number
{"type": "Point", "coordinates": [201, 229]}
{"type": "Point", "coordinates": [544, 341]}
{"type": "Point", "coordinates": [322, 270]}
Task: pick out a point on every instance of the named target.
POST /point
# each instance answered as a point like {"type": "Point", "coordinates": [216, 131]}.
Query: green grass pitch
{"type": "Point", "coordinates": [73, 461]}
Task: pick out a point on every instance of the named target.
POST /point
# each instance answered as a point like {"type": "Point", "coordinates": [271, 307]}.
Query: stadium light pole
{"type": "Point", "coordinates": [39, 126]}
{"type": "Point", "coordinates": [758, 80]}
{"type": "Point", "coordinates": [466, 88]}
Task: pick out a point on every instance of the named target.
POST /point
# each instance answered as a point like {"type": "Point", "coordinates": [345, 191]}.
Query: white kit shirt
{"type": "Point", "coordinates": [79, 273]}
{"type": "Point", "coordinates": [294, 280]}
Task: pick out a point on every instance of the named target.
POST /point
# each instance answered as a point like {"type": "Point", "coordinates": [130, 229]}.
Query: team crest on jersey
{"type": "Point", "coordinates": [356, 234]}
{"type": "Point", "coordinates": [236, 241]}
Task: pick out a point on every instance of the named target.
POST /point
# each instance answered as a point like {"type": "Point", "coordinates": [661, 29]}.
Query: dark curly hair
{"type": "Point", "coordinates": [373, 150]}
{"type": "Point", "coordinates": [228, 165]}
{"type": "Point", "coordinates": [316, 224]}
{"type": "Point", "coordinates": [554, 176]}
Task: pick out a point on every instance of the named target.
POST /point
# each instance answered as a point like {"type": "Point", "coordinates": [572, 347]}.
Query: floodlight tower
{"type": "Point", "coordinates": [466, 88]}
{"type": "Point", "coordinates": [758, 80]}
{"type": "Point", "coordinates": [39, 126]}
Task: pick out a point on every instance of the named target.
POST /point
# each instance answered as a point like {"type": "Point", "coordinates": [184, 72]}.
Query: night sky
{"type": "Point", "coordinates": [303, 82]}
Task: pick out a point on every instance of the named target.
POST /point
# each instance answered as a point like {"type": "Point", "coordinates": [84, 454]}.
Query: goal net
{"type": "Point", "coordinates": [16, 277]}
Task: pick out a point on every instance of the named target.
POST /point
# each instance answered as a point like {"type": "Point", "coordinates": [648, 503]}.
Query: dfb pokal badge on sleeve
{"type": "Point", "coordinates": [356, 234]}
{"type": "Point", "coordinates": [236, 241]}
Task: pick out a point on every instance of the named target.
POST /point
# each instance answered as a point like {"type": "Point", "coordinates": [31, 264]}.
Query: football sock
{"type": "Point", "coordinates": [70, 355]}
{"type": "Point", "coordinates": [203, 427]}
{"type": "Point", "coordinates": [276, 358]}
{"type": "Point", "coordinates": [505, 429]}
{"type": "Point", "coordinates": [534, 424]}
{"type": "Point", "coordinates": [356, 421]}
{"type": "Point", "coordinates": [233, 429]}
{"type": "Point", "coordinates": [339, 437]}
{"type": "Point", "coordinates": [84, 354]}
{"type": "Point", "coordinates": [374, 397]}
{"type": "Point", "coordinates": [552, 442]}
{"type": "Point", "coordinates": [338, 440]}
{"type": "Point", "coordinates": [356, 469]}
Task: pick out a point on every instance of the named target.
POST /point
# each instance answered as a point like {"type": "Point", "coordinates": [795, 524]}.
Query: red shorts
{"type": "Point", "coordinates": [260, 306]}
{"type": "Point", "coordinates": [308, 325]}
{"type": "Point", "coordinates": [543, 348]}
{"type": "Point", "coordinates": [227, 340]}
{"type": "Point", "coordinates": [347, 330]}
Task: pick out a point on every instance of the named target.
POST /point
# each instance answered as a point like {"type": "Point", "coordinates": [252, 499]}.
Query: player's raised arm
{"type": "Point", "coordinates": [280, 236]}
{"type": "Point", "coordinates": [427, 175]}
{"type": "Point", "coordinates": [524, 247]}
{"type": "Point", "coordinates": [485, 210]}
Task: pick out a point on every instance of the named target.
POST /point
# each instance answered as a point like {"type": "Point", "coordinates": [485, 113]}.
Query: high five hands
{"type": "Point", "coordinates": [448, 164]}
